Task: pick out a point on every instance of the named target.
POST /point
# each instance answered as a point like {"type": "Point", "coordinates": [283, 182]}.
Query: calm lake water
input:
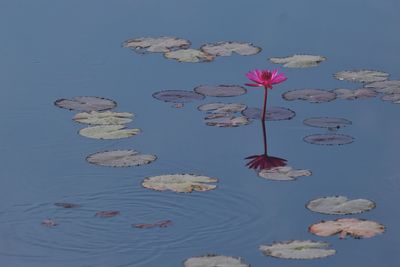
{"type": "Point", "coordinates": [61, 49]}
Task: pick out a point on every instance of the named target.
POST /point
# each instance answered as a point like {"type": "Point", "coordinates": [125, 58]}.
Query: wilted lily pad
{"type": "Point", "coordinates": [363, 76]}
{"type": "Point", "coordinates": [49, 223]}
{"type": "Point", "coordinates": [329, 139]}
{"type": "Point", "coordinates": [285, 173]}
{"type": "Point", "coordinates": [66, 205]}
{"type": "Point", "coordinates": [103, 118]}
{"type": "Point", "coordinates": [214, 261]}
{"type": "Point", "coordinates": [182, 183]}
{"type": "Point", "coordinates": [272, 114]}
{"type": "Point", "coordinates": [310, 95]}
{"type": "Point", "coordinates": [220, 90]}
{"type": "Point", "coordinates": [178, 96]}
{"type": "Point", "coordinates": [161, 224]}
{"type": "Point", "coordinates": [394, 98]}
{"type": "Point", "coordinates": [108, 132]}
{"type": "Point", "coordinates": [189, 55]}
{"type": "Point", "coordinates": [86, 103]}
{"type": "Point", "coordinates": [227, 48]}
{"type": "Point", "coordinates": [158, 44]}
{"type": "Point", "coordinates": [327, 122]}
{"type": "Point", "coordinates": [354, 227]}
{"type": "Point", "coordinates": [298, 61]}
{"type": "Point", "coordinates": [340, 205]}
{"type": "Point", "coordinates": [385, 87]}
{"type": "Point", "coordinates": [227, 121]}
{"type": "Point", "coordinates": [298, 250]}
{"type": "Point", "coordinates": [222, 107]}
{"type": "Point", "coordinates": [107, 213]}
{"type": "Point", "coordinates": [349, 94]}
{"type": "Point", "coordinates": [120, 158]}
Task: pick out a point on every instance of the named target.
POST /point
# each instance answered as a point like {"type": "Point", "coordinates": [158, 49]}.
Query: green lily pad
{"type": "Point", "coordinates": [310, 95]}
{"type": "Point", "coordinates": [220, 90]}
{"type": "Point", "coordinates": [362, 76]}
{"type": "Point", "coordinates": [108, 132]}
{"type": "Point", "coordinates": [120, 158]}
{"type": "Point", "coordinates": [327, 122]}
{"type": "Point", "coordinates": [285, 173]}
{"type": "Point", "coordinates": [222, 107]}
{"type": "Point", "coordinates": [227, 48]}
{"type": "Point", "coordinates": [348, 94]}
{"type": "Point", "coordinates": [181, 183]}
{"type": "Point", "coordinates": [272, 113]}
{"type": "Point", "coordinates": [298, 250]}
{"type": "Point", "coordinates": [340, 205]}
{"type": "Point", "coordinates": [298, 61]}
{"type": "Point", "coordinates": [103, 118]}
{"type": "Point", "coordinates": [385, 87]}
{"type": "Point", "coordinates": [158, 44]}
{"type": "Point", "coordinates": [86, 103]}
{"type": "Point", "coordinates": [189, 55]}
{"type": "Point", "coordinates": [214, 261]}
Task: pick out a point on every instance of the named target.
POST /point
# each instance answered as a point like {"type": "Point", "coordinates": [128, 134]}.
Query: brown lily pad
{"type": "Point", "coordinates": [220, 90]}
{"type": "Point", "coordinates": [327, 122]}
{"type": "Point", "coordinates": [120, 158]}
{"type": "Point", "coordinates": [86, 103]}
{"type": "Point", "coordinates": [394, 98]}
{"type": "Point", "coordinates": [356, 228]}
{"type": "Point", "coordinates": [272, 113]}
{"type": "Point", "coordinates": [228, 48]}
{"type": "Point", "coordinates": [310, 95]}
{"type": "Point", "coordinates": [158, 44]}
{"type": "Point", "coordinates": [107, 213]}
{"type": "Point", "coordinates": [329, 139]}
{"type": "Point", "coordinates": [363, 76]}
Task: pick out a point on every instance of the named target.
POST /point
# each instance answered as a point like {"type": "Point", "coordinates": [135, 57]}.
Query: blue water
{"type": "Point", "coordinates": [61, 49]}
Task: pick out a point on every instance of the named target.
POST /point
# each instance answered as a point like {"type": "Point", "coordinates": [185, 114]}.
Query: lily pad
{"type": "Point", "coordinates": [310, 95]}
{"type": "Point", "coordinates": [298, 250]}
{"type": "Point", "coordinates": [181, 183]}
{"type": "Point", "coordinates": [329, 139]}
{"type": "Point", "coordinates": [178, 96]}
{"type": "Point", "coordinates": [230, 121]}
{"type": "Point", "coordinates": [222, 107]}
{"type": "Point", "coordinates": [363, 76]}
{"type": "Point", "coordinates": [356, 228]}
{"type": "Point", "coordinates": [86, 103]}
{"type": "Point", "coordinates": [120, 158]}
{"type": "Point", "coordinates": [103, 118]}
{"type": "Point", "coordinates": [161, 224]}
{"type": "Point", "coordinates": [385, 87]}
{"type": "Point", "coordinates": [340, 205]}
{"type": "Point", "coordinates": [272, 114]}
{"type": "Point", "coordinates": [349, 94]}
{"type": "Point", "coordinates": [214, 261]}
{"type": "Point", "coordinates": [158, 44]}
{"type": "Point", "coordinates": [67, 205]}
{"type": "Point", "coordinates": [107, 213]}
{"type": "Point", "coordinates": [108, 132]}
{"type": "Point", "coordinates": [394, 98]}
{"type": "Point", "coordinates": [189, 55]}
{"type": "Point", "coordinates": [327, 122]}
{"type": "Point", "coordinates": [298, 61]}
{"type": "Point", "coordinates": [285, 173]}
{"type": "Point", "coordinates": [49, 223]}
{"type": "Point", "coordinates": [227, 48]}
{"type": "Point", "coordinates": [220, 90]}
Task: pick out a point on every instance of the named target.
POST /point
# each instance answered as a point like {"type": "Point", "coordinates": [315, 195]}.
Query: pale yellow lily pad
{"type": "Point", "coordinates": [227, 48]}
{"type": "Point", "coordinates": [108, 132]}
{"type": "Point", "coordinates": [189, 55]}
{"type": "Point", "coordinates": [181, 183]}
{"type": "Point", "coordinates": [340, 205]}
{"type": "Point", "coordinates": [298, 61]}
{"type": "Point", "coordinates": [285, 173]}
{"type": "Point", "coordinates": [214, 261]}
{"type": "Point", "coordinates": [103, 118]}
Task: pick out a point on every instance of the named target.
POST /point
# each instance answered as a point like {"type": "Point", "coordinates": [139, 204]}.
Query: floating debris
{"type": "Point", "coordinates": [49, 223]}
{"type": "Point", "coordinates": [227, 48]}
{"type": "Point", "coordinates": [158, 44]}
{"type": "Point", "coordinates": [298, 61]}
{"type": "Point", "coordinates": [120, 158]}
{"type": "Point", "coordinates": [103, 118]}
{"type": "Point", "coordinates": [349, 94]}
{"type": "Point", "coordinates": [108, 132]}
{"type": "Point", "coordinates": [107, 213]}
{"type": "Point", "coordinates": [220, 90]}
{"type": "Point", "coordinates": [66, 205]}
{"type": "Point", "coordinates": [310, 95]}
{"type": "Point", "coordinates": [336, 205]}
{"type": "Point", "coordinates": [181, 183]}
{"type": "Point", "coordinates": [298, 250]}
{"type": "Point", "coordinates": [86, 103]}
{"type": "Point", "coordinates": [285, 173]}
{"type": "Point", "coordinates": [178, 96]}
{"type": "Point", "coordinates": [356, 228]}
{"type": "Point", "coordinates": [214, 261]}
{"type": "Point", "coordinates": [161, 224]}
{"type": "Point", "coordinates": [329, 139]}
{"type": "Point", "coordinates": [327, 122]}
{"type": "Point", "coordinates": [272, 114]}
{"type": "Point", "coordinates": [189, 55]}
{"type": "Point", "coordinates": [362, 76]}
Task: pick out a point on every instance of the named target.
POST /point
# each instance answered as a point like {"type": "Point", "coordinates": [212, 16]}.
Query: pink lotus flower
{"type": "Point", "coordinates": [265, 78]}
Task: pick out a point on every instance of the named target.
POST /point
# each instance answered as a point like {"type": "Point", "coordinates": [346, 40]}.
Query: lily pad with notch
{"type": "Point", "coordinates": [228, 48]}
{"type": "Point", "coordinates": [86, 103]}
{"type": "Point", "coordinates": [362, 76]}
{"type": "Point", "coordinates": [220, 90]}
{"type": "Point", "coordinates": [340, 205]}
{"type": "Point", "coordinates": [120, 158]}
{"type": "Point", "coordinates": [329, 139]}
{"type": "Point", "coordinates": [310, 95]}
{"type": "Point", "coordinates": [298, 61]}
{"type": "Point", "coordinates": [157, 44]}
{"type": "Point", "coordinates": [272, 113]}
{"type": "Point", "coordinates": [181, 183]}
{"type": "Point", "coordinates": [108, 132]}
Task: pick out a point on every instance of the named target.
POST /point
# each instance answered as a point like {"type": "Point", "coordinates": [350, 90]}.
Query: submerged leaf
{"type": "Point", "coordinates": [182, 183]}
{"type": "Point", "coordinates": [310, 95]}
{"type": "Point", "coordinates": [329, 139]}
{"type": "Point", "coordinates": [272, 114]}
{"type": "Point", "coordinates": [298, 250]}
{"type": "Point", "coordinates": [86, 103]}
{"type": "Point", "coordinates": [285, 173]}
{"type": "Point", "coordinates": [298, 61]}
{"type": "Point", "coordinates": [349, 94]}
{"type": "Point", "coordinates": [227, 48]}
{"type": "Point", "coordinates": [385, 87]}
{"type": "Point", "coordinates": [220, 90]}
{"type": "Point", "coordinates": [340, 205]}
{"type": "Point", "coordinates": [178, 96]}
{"type": "Point", "coordinates": [103, 118]}
{"type": "Point", "coordinates": [161, 224]}
{"type": "Point", "coordinates": [158, 44]}
{"type": "Point", "coordinates": [189, 55]}
{"type": "Point", "coordinates": [214, 261]}
{"type": "Point", "coordinates": [120, 158]}
{"type": "Point", "coordinates": [356, 228]}
{"type": "Point", "coordinates": [363, 76]}
{"type": "Point", "coordinates": [108, 132]}
{"type": "Point", "coordinates": [107, 213]}
{"type": "Point", "coordinates": [327, 122]}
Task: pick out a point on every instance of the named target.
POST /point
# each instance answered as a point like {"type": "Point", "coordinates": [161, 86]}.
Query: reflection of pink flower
{"type": "Point", "coordinates": [264, 162]}
{"type": "Point", "coordinates": [265, 78]}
